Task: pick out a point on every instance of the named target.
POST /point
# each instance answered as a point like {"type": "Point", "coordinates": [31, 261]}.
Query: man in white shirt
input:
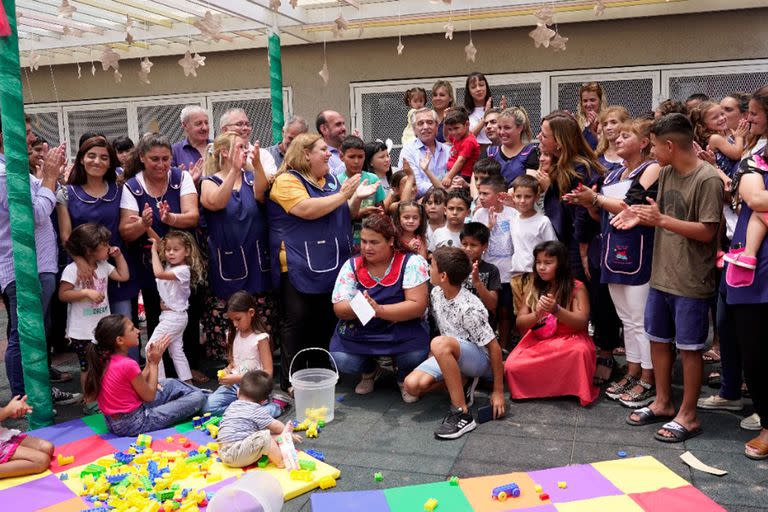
{"type": "Point", "coordinates": [425, 127]}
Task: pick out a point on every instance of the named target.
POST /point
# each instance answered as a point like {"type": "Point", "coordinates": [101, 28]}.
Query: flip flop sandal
{"type": "Point", "coordinates": [710, 356]}
{"type": "Point", "coordinates": [647, 417]}
{"type": "Point", "coordinates": [679, 433]}
{"type": "Point", "coordinates": [605, 362]}
{"type": "Point", "coordinates": [759, 449]}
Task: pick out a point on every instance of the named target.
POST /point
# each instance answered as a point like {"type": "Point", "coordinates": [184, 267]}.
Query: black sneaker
{"type": "Point", "coordinates": [455, 424]}
{"type": "Point", "coordinates": [60, 397]}
{"type": "Point", "coordinates": [469, 390]}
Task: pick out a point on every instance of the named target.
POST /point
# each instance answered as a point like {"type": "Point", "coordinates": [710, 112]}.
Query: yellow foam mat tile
{"type": "Point", "coordinates": [639, 474]}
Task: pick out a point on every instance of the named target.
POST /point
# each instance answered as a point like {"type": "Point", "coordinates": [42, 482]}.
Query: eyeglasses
{"type": "Point", "coordinates": [241, 124]}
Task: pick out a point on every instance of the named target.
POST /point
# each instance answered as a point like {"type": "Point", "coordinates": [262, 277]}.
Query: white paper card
{"type": "Point", "coordinates": [617, 190]}
{"type": "Point", "coordinates": [362, 308]}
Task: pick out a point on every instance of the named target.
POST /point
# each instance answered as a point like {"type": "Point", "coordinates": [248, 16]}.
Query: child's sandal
{"type": "Point", "coordinates": [617, 388]}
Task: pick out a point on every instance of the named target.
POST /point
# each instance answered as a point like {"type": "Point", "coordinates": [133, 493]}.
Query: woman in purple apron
{"type": "Point", "coordinates": [93, 195]}
{"type": "Point", "coordinates": [233, 208]}
{"type": "Point", "coordinates": [394, 282]}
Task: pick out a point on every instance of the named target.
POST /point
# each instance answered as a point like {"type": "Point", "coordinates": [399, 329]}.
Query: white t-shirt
{"type": "Point", "coordinates": [266, 159]}
{"type": "Point", "coordinates": [444, 236]}
{"type": "Point", "coordinates": [245, 352]}
{"type": "Point", "coordinates": [527, 234]}
{"type": "Point", "coordinates": [175, 294]}
{"type": "Point", "coordinates": [128, 200]}
{"type": "Point", "coordinates": [500, 246]}
{"type": "Point", "coordinates": [476, 117]}
{"type": "Point", "coordinates": [430, 236]}
{"type": "Point", "coordinates": [82, 316]}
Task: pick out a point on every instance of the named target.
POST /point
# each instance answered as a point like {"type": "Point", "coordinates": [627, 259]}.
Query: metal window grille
{"type": "Point", "coordinates": [111, 122]}
{"type": "Point", "coordinates": [526, 95]}
{"type": "Point", "coordinates": [162, 118]}
{"type": "Point", "coordinates": [384, 116]}
{"type": "Point", "coordinates": [715, 86]}
{"type": "Point", "coordinates": [637, 95]}
{"type": "Point", "coordinates": [46, 125]}
{"type": "Point", "coordinates": [259, 111]}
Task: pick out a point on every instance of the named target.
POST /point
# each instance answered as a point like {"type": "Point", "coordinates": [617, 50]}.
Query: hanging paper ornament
{"type": "Point", "coordinates": [128, 27]}
{"type": "Point", "coordinates": [199, 59]}
{"type": "Point", "coordinates": [146, 67]}
{"type": "Point", "coordinates": [558, 43]}
{"type": "Point", "coordinates": [470, 51]}
{"type": "Point", "coordinates": [118, 76]}
{"type": "Point", "coordinates": [360, 30]}
{"type": "Point", "coordinates": [66, 10]}
{"type": "Point", "coordinates": [340, 24]}
{"type": "Point", "coordinates": [449, 28]}
{"type": "Point", "coordinates": [109, 59]}
{"type": "Point", "coordinates": [400, 45]}
{"type": "Point", "coordinates": [294, 3]}
{"type": "Point", "coordinates": [545, 15]}
{"type": "Point", "coordinates": [274, 4]}
{"type": "Point", "coordinates": [79, 72]}
{"type": "Point", "coordinates": [93, 69]}
{"type": "Point", "coordinates": [324, 73]}
{"type": "Point", "coordinates": [189, 64]}
{"type": "Point", "coordinates": [210, 26]}
{"type": "Point", "coordinates": [34, 60]}
{"type": "Point", "coordinates": [599, 8]}
{"type": "Point", "coordinates": [541, 35]}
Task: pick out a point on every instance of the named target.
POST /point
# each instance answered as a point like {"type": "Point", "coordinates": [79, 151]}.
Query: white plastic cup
{"type": "Point", "coordinates": [257, 491]}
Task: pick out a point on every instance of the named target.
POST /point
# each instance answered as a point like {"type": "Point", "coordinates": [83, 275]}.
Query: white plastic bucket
{"type": "Point", "coordinates": [257, 491]}
{"type": "Point", "coordinates": [314, 390]}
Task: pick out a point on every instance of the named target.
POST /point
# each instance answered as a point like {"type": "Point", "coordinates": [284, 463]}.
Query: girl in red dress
{"type": "Point", "coordinates": [556, 357]}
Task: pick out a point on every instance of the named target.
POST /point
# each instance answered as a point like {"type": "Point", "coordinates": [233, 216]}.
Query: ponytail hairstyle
{"type": "Point", "coordinates": [617, 111]}
{"type": "Point", "coordinates": [217, 150]}
{"type": "Point", "coordinates": [86, 238]}
{"type": "Point", "coordinates": [194, 260]}
{"type": "Point", "coordinates": [642, 128]}
{"type": "Point", "coordinates": [146, 143]}
{"type": "Point", "coordinates": [581, 115]}
{"type": "Point", "coordinates": [701, 133]}
{"type": "Point", "coordinates": [562, 286]}
{"type": "Point", "coordinates": [520, 116]}
{"type": "Point", "coordinates": [242, 302]}
{"type": "Point", "coordinates": [98, 353]}
{"type": "Point", "coordinates": [422, 227]}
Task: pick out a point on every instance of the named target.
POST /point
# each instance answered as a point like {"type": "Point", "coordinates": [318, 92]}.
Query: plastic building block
{"type": "Point", "coordinates": [543, 496]}
{"type": "Point", "coordinates": [197, 421]}
{"type": "Point", "coordinates": [212, 420]}
{"type": "Point", "coordinates": [200, 457]}
{"type": "Point", "coordinates": [221, 373]}
{"type": "Point", "coordinates": [312, 431]}
{"type": "Point", "coordinates": [309, 465]}
{"type": "Point", "coordinates": [327, 482]}
{"type": "Point", "coordinates": [116, 479]}
{"type": "Point", "coordinates": [562, 485]}
{"type": "Point", "coordinates": [169, 439]}
{"type": "Point", "coordinates": [316, 454]}
{"type": "Point", "coordinates": [321, 424]}
{"type": "Point", "coordinates": [538, 489]}
{"type": "Point", "coordinates": [94, 470]}
{"type": "Point", "coordinates": [430, 504]}
{"type": "Point", "coordinates": [378, 476]}
{"type": "Point", "coordinates": [301, 474]}
{"type": "Point", "coordinates": [63, 460]}
{"type": "Point", "coordinates": [63, 477]}
{"type": "Point", "coordinates": [213, 430]}
{"type": "Point", "coordinates": [454, 480]}
{"type": "Point", "coordinates": [263, 461]}
{"type": "Point", "coordinates": [298, 427]}
{"type": "Point", "coordinates": [340, 398]}
{"type": "Point", "coordinates": [144, 440]}
{"type": "Point", "coordinates": [503, 492]}
{"type": "Point", "coordinates": [316, 414]}
{"type": "Point", "coordinates": [621, 453]}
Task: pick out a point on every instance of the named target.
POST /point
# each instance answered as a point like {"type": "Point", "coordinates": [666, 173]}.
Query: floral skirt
{"type": "Point", "coordinates": [215, 323]}
{"type": "Point", "coordinates": [9, 446]}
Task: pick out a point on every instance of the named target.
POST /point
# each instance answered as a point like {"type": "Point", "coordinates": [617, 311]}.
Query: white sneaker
{"type": "Point", "coordinates": [715, 402]}
{"type": "Point", "coordinates": [407, 397]}
{"type": "Point", "coordinates": [751, 423]}
{"type": "Point", "coordinates": [365, 385]}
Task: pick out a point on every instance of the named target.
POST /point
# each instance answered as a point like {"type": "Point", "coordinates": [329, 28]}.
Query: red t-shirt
{"type": "Point", "coordinates": [467, 147]}
{"type": "Point", "coordinates": [117, 394]}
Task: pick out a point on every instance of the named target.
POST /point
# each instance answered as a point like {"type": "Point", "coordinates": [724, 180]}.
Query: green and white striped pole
{"type": "Point", "coordinates": [276, 84]}
{"type": "Point", "coordinates": [31, 328]}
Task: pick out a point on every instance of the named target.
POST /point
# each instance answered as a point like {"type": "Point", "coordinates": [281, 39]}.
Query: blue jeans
{"type": "Point", "coordinates": [123, 307]}
{"type": "Point", "coordinates": [13, 366]}
{"type": "Point", "coordinates": [220, 399]}
{"type": "Point", "coordinates": [365, 363]}
{"type": "Point", "coordinates": [175, 401]}
{"type": "Point", "coordinates": [730, 353]}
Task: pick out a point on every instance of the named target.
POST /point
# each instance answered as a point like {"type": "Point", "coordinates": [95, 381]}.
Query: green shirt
{"type": "Point", "coordinates": [375, 199]}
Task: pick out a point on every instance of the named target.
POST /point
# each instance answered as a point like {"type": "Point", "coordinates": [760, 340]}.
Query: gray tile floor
{"type": "Point", "coordinates": [379, 432]}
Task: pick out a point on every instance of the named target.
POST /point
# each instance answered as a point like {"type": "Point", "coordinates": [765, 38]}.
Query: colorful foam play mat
{"type": "Point", "coordinates": [171, 469]}
{"type": "Point", "coordinates": [626, 485]}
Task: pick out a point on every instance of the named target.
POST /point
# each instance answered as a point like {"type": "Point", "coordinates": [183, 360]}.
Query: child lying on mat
{"type": "Point", "coordinates": [21, 454]}
{"type": "Point", "coordinates": [247, 431]}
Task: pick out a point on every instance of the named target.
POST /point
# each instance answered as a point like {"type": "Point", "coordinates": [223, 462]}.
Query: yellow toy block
{"type": "Point", "coordinates": [144, 440]}
{"type": "Point", "coordinates": [301, 474]}
{"type": "Point", "coordinates": [538, 489]}
{"type": "Point", "coordinates": [312, 430]}
{"type": "Point", "coordinates": [169, 439]}
{"type": "Point", "coordinates": [213, 446]}
{"type": "Point", "coordinates": [304, 425]}
{"type": "Point", "coordinates": [182, 440]}
{"type": "Point", "coordinates": [562, 485]}
{"type": "Point", "coordinates": [430, 504]}
{"type": "Point", "coordinates": [221, 373]}
{"type": "Point", "coordinates": [316, 414]}
{"type": "Point", "coordinates": [152, 506]}
{"type": "Point", "coordinates": [213, 430]}
{"type": "Point", "coordinates": [63, 460]}
{"type": "Point", "coordinates": [327, 482]}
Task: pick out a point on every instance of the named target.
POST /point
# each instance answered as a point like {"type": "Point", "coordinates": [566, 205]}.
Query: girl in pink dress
{"type": "Point", "coordinates": [556, 357]}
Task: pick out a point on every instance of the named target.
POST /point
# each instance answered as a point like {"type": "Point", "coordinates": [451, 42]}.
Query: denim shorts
{"type": "Point", "coordinates": [671, 318]}
{"type": "Point", "coordinates": [474, 361]}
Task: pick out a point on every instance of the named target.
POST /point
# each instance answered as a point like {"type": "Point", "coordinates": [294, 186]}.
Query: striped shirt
{"type": "Point", "coordinates": [43, 204]}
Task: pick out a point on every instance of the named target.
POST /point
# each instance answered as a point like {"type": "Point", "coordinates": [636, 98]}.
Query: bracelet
{"type": "Point", "coordinates": [595, 199]}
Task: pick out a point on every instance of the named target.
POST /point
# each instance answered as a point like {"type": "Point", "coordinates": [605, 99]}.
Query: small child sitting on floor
{"type": "Point", "coordinates": [21, 454]}
{"type": "Point", "coordinates": [247, 431]}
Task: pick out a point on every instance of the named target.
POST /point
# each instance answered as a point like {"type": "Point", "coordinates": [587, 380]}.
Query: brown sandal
{"type": "Point", "coordinates": [758, 447]}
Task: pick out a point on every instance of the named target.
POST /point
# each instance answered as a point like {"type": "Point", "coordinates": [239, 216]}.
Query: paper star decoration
{"type": "Point", "coordinates": [118, 77]}
{"type": "Point", "coordinates": [109, 59]}
{"type": "Point", "coordinates": [210, 26]}
{"type": "Point", "coordinates": [274, 4]}
{"type": "Point", "coordinates": [470, 51]}
{"type": "Point", "coordinates": [294, 3]}
{"type": "Point", "coordinates": [199, 59]}
{"type": "Point", "coordinates": [66, 10]}
{"type": "Point", "coordinates": [146, 67]}
{"type": "Point", "coordinates": [599, 8]}
{"type": "Point", "coordinates": [79, 72]}
{"type": "Point", "coordinates": [545, 15]}
{"type": "Point", "coordinates": [93, 69]}
{"type": "Point", "coordinates": [34, 60]}
{"type": "Point", "coordinates": [189, 64]}
{"type": "Point", "coordinates": [558, 43]}
{"type": "Point", "coordinates": [324, 73]}
{"type": "Point", "coordinates": [541, 35]}
{"type": "Point", "coordinates": [400, 46]}
{"type": "Point", "coordinates": [340, 24]}
{"type": "Point", "coordinates": [449, 28]}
